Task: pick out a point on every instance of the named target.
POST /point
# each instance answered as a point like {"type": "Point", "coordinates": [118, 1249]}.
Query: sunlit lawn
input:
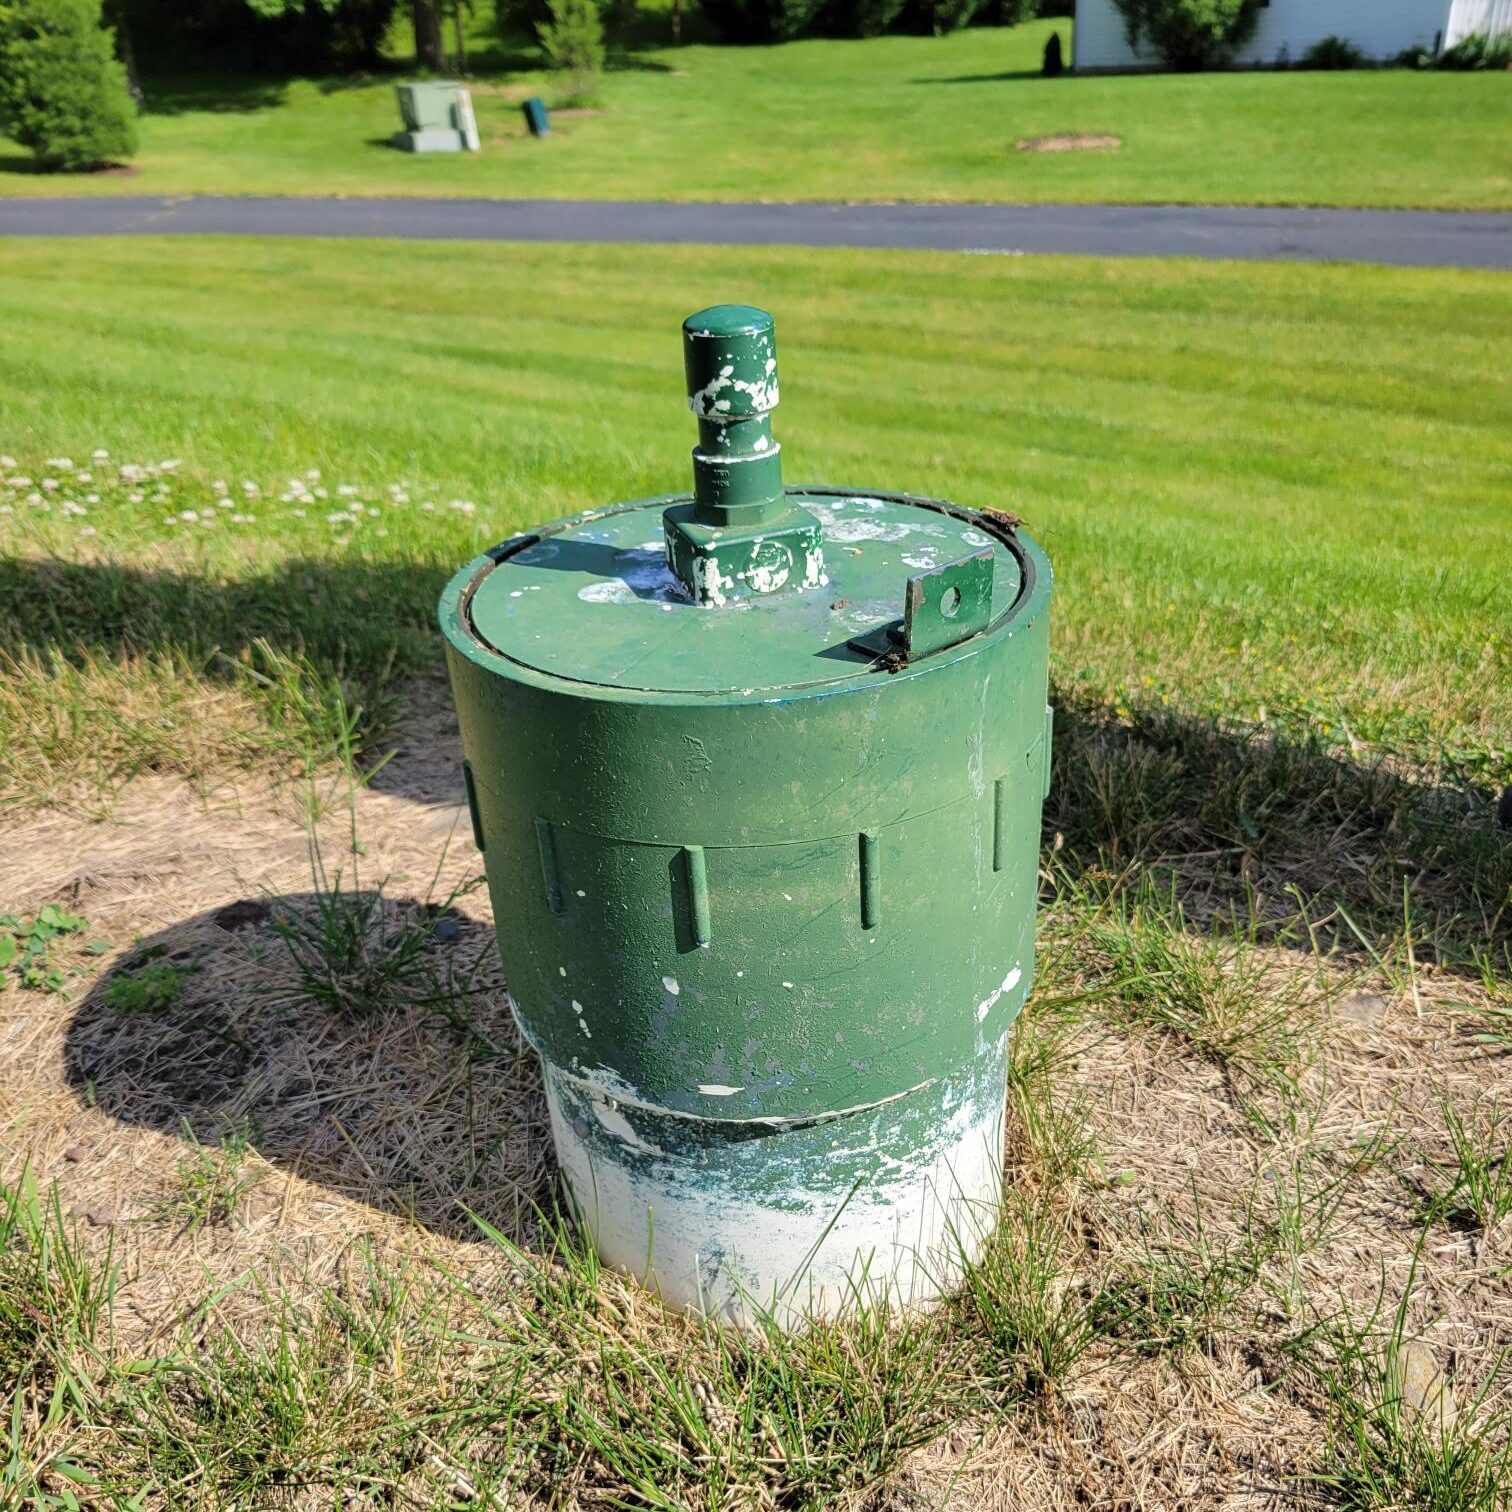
{"type": "Point", "coordinates": [905, 118]}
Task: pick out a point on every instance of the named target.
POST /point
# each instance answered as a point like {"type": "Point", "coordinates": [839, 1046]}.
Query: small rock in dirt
{"type": "Point", "coordinates": [1361, 1007]}
{"type": "Point", "coordinates": [1416, 1379]}
{"type": "Point", "coordinates": [243, 914]}
{"type": "Point", "coordinates": [98, 1217]}
{"type": "Point", "coordinates": [75, 1153]}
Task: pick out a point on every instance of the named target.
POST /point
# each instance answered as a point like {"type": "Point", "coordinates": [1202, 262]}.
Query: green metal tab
{"type": "Point", "coordinates": [947, 605]}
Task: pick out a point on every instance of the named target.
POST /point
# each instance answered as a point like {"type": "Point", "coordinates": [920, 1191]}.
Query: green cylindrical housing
{"type": "Point", "coordinates": [764, 875]}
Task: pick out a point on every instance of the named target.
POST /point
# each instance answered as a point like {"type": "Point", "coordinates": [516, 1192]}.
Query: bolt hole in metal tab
{"type": "Point", "coordinates": [756, 771]}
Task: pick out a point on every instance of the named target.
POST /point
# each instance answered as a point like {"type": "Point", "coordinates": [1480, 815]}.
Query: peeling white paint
{"type": "Point", "coordinates": [763, 393]}
{"type": "Point", "coordinates": [622, 1129]}
{"type": "Point", "coordinates": [990, 1001]}
{"type": "Point", "coordinates": [718, 1089]}
{"type": "Point", "coordinates": [706, 1243]}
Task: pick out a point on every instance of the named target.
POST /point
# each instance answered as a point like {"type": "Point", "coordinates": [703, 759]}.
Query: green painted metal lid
{"type": "Point", "coordinates": [592, 599]}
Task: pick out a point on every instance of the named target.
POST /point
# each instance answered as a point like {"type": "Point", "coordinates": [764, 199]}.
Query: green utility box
{"type": "Point", "coordinates": [438, 117]}
{"type": "Point", "coordinates": [757, 774]}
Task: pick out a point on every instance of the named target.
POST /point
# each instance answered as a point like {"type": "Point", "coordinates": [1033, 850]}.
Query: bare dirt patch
{"type": "Point", "coordinates": [1070, 141]}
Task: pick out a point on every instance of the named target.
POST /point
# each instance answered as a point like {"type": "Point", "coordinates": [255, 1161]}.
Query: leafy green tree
{"type": "Point", "coordinates": [63, 93]}
{"type": "Point", "coordinates": [1190, 34]}
{"type": "Point", "coordinates": [573, 41]}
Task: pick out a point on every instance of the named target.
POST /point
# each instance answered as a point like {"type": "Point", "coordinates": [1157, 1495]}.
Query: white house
{"type": "Point", "coordinates": [1379, 28]}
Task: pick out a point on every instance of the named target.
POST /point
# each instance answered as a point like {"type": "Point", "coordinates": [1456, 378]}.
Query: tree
{"type": "Point", "coordinates": [573, 41]}
{"type": "Point", "coordinates": [1190, 34]}
{"type": "Point", "coordinates": [430, 49]}
{"type": "Point", "coordinates": [63, 93]}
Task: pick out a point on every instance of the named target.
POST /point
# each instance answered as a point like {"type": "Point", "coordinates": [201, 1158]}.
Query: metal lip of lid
{"type": "Point", "coordinates": [751, 617]}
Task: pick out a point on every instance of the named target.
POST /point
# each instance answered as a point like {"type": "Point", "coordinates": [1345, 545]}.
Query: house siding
{"type": "Point", "coordinates": [1466, 16]}
{"type": "Point", "coordinates": [1379, 28]}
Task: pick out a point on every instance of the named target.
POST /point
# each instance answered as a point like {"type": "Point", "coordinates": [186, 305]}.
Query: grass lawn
{"type": "Point", "coordinates": [1254, 482]}
{"type": "Point", "coordinates": [1257, 1170]}
{"type": "Point", "coordinates": [895, 118]}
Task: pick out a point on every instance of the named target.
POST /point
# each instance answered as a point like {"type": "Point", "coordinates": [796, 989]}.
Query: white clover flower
{"type": "Point", "coordinates": [72, 510]}
{"type": "Point", "coordinates": [224, 504]}
{"type": "Point", "coordinates": [99, 454]}
{"type": "Point", "coordinates": [463, 506]}
{"type": "Point", "coordinates": [135, 497]}
{"type": "Point", "coordinates": [243, 519]}
{"type": "Point", "coordinates": [207, 521]}
{"type": "Point", "coordinates": [50, 484]}
{"type": "Point", "coordinates": [219, 486]}
{"type": "Point", "coordinates": [427, 506]}
{"type": "Point", "coordinates": [313, 474]}
{"type": "Point", "coordinates": [170, 464]}
{"type": "Point", "coordinates": [34, 498]}
{"type": "Point", "coordinates": [7, 462]}
{"type": "Point", "coordinates": [357, 506]}
{"type": "Point", "coordinates": [20, 481]}
{"type": "Point", "coordinates": [89, 530]}
{"type": "Point", "coordinates": [63, 464]}
{"type": "Point", "coordinates": [91, 498]}
{"type": "Point", "coordinates": [6, 509]}
{"type": "Point", "coordinates": [249, 487]}
{"type": "Point", "coordinates": [346, 491]}
{"type": "Point", "coordinates": [189, 514]}
{"type": "Point", "coordinates": [84, 477]}
{"type": "Point", "coordinates": [341, 517]}
{"type": "Point", "coordinates": [298, 514]}
{"type": "Point", "coordinates": [171, 520]}
{"type": "Point", "coordinates": [401, 498]}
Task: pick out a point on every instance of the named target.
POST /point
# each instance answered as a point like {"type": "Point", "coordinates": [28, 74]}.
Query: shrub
{"type": "Point", "coordinates": [1478, 50]}
{"type": "Point", "coordinates": [1190, 34]}
{"type": "Point", "coordinates": [62, 92]}
{"type": "Point", "coordinates": [573, 41]}
{"type": "Point", "coordinates": [1333, 53]}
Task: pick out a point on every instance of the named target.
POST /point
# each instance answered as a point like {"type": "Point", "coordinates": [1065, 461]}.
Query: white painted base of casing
{"type": "Point", "coordinates": [884, 1203]}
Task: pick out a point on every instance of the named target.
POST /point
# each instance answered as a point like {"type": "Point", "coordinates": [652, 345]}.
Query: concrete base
{"type": "Point", "coordinates": [789, 1219]}
{"type": "Point", "coordinates": [434, 139]}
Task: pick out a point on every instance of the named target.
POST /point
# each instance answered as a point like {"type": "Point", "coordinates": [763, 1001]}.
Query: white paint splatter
{"type": "Point", "coordinates": [718, 1089]}
{"type": "Point", "coordinates": [670, 983]}
{"type": "Point", "coordinates": [989, 1002]}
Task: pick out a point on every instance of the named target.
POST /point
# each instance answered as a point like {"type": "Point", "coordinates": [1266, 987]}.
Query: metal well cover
{"type": "Point", "coordinates": [594, 600]}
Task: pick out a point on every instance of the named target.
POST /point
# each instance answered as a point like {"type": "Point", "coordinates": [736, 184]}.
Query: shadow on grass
{"type": "Point", "coordinates": [414, 1097]}
{"type": "Point", "coordinates": [1228, 815]}
{"type": "Point", "coordinates": [1017, 75]}
{"type": "Point", "coordinates": [215, 94]}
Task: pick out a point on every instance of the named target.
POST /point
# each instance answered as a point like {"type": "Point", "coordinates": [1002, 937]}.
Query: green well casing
{"type": "Point", "coordinates": [764, 862]}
